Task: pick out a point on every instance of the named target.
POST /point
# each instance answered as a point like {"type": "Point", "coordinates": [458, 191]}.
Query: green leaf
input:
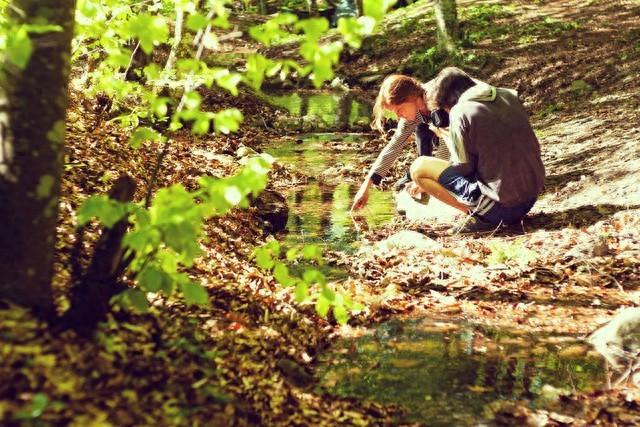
{"type": "Point", "coordinates": [329, 294]}
{"type": "Point", "coordinates": [136, 299]}
{"type": "Point", "coordinates": [263, 258]}
{"type": "Point", "coordinates": [281, 274]}
{"type": "Point", "coordinates": [140, 239]}
{"type": "Point", "coordinates": [39, 403]}
{"type": "Point", "coordinates": [197, 22]}
{"type": "Point", "coordinates": [377, 8]}
{"type": "Point", "coordinates": [42, 29]}
{"type": "Point", "coordinates": [292, 254]}
{"type": "Point", "coordinates": [143, 134]}
{"type": "Point", "coordinates": [152, 279]}
{"type": "Point", "coordinates": [227, 121]}
{"type": "Point", "coordinates": [322, 306]}
{"type": "Point", "coordinates": [108, 211]}
{"type": "Point", "coordinates": [353, 30]}
{"type": "Point", "coordinates": [273, 246]}
{"type": "Point", "coordinates": [192, 100]}
{"type": "Point", "coordinates": [312, 252]}
{"type": "Point", "coordinates": [118, 57]}
{"type": "Point", "coordinates": [159, 106]}
{"type": "Point", "coordinates": [357, 307]}
{"type": "Point", "coordinates": [340, 314]}
{"type": "Point", "coordinates": [256, 68]}
{"type": "Point", "coordinates": [189, 65]}
{"type": "Point", "coordinates": [271, 32]}
{"type": "Point", "coordinates": [312, 276]}
{"type": "Point", "coordinates": [258, 166]}
{"type": "Point", "coordinates": [152, 71]}
{"type": "Point", "coordinates": [313, 28]}
{"type": "Point", "coordinates": [150, 30]}
{"type": "Point", "coordinates": [202, 123]}
{"type": "Point", "coordinates": [194, 293]}
{"type": "Point", "coordinates": [19, 48]}
{"type": "Point", "coordinates": [302, 291]}
{"type": "Point", "coordinates": [229, 81]}
{"type": "Point", "coordinates": [233, 195]}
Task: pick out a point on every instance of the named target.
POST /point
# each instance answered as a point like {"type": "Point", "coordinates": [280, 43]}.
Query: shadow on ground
{"type": "Point", "coordinates": [582, 216]}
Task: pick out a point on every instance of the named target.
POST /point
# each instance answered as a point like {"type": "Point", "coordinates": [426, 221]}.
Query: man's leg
{"type": "Point", "coordinates": [425, 172]}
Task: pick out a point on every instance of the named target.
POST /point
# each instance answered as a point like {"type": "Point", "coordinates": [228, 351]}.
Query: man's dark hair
{"type": "Point", "coordinates": [447, 87]}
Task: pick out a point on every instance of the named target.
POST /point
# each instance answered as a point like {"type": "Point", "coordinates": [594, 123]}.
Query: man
{"type": "Point", "coordinates": [497, 172]}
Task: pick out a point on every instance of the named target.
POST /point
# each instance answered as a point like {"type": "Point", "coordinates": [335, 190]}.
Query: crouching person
{"type": "Point", "coordinates": [497, 173]}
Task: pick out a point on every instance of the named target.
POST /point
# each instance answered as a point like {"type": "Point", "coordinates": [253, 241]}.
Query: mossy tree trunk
{"type": "Point", "coordinates": [447, 24]}
{"type": "Point", "coordinates": [262, 7]}
{"type": "Point", "coordinates": [33, 102]}
{"type": "Point", "coordinates": [360, 6]}
{"type": "Point", "coordinates": [313, 7]}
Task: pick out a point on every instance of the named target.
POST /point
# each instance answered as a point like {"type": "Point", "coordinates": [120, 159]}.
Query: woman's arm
{"type": "Point", "coordinates": [385, 160]}
{"type": "Point", "coordinates": [392, 150]}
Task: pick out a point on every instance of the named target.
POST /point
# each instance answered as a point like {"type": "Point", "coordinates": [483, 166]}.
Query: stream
{"type": "Point", "coordinates": [443, 372]}
{"type": "Point", "coordinates": [446, 373]}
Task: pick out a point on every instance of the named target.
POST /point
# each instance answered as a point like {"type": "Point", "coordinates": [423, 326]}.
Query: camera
{"type": "Point", "coordinates": [439, 118]}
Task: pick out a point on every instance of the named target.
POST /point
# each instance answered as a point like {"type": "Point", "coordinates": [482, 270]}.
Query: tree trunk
{"type": "Point", "coordinates": [447, 23]}
{"type": "Point", "coordinates": [32, 126]}
{"type": "Point", "coordinates": [344, 112]}
{"type": "Point", "coordinates": [262, 7]}
{"type": "Point", "coordinates": [313, 7]}
{"type": "Point", "coordinates": [93, 289]}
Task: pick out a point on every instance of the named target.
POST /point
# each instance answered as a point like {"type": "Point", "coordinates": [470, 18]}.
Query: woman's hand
{"type": "Point", "coordinates": [362, 196]}
{"type": "Point", "coordinates": [414, 189]}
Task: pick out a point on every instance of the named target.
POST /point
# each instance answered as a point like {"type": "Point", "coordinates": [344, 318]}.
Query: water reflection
{"type": "Point", "coordinates": [446, 374]}
{"type": "Point", "coordinates": [320, 214]}
{"type": "Point", "coordinates": [336, 111]}
{"type": "Point", "coordinates": [319, 210]}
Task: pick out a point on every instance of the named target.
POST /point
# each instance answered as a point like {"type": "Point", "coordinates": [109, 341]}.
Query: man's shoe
{"type": "Point", "coordinates": [474, 225]}
{"type": "Point", "coordinates": [399, 185]}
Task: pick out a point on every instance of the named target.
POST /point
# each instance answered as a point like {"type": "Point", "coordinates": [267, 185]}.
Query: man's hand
{"type": "Point", "coordinates": [362, 196]}
{"type": "Point", "coordinates": [440, 132]}
{"type": "Point", "coordinates": [414, 189]}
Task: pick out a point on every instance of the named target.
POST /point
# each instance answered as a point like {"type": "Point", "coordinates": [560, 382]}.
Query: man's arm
{"type": "Point", "coordinates": [457, 137]}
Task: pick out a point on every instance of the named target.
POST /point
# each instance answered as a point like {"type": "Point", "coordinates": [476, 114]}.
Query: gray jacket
{"type": "Point", "coordinates": [494, 142]}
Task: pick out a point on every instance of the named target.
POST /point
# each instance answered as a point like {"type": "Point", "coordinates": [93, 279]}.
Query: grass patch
{"type": "Point", "coordinates": [482, 21]}
{"type": "Point", "coordinates": [424, 64]}
{"type": "Point", "coordinates": [549, 109]}
{"type": "Point", "coordinates": [548, 26]}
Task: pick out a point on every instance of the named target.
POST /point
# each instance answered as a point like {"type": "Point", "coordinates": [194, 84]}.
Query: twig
{"type": "Point", "coordinates": [496, 229]}
{"type": "Point", "coordinates": [177, 38]}
{"type": "Point", "coordinates": [187, 88]}
{"type": "Point", "coordinates": [135, 50]}
{"type": "Point", "coordinates": [591, 265]}
{"type": "Point", "coordinates": [154, 175]}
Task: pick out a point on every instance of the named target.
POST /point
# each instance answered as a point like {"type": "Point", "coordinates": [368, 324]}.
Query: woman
{"type": "Point", "coordinates": [407, 98]}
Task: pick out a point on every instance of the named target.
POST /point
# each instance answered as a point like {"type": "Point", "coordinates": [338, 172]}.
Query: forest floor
{"type": "Point", "coordinates": [248, 358]}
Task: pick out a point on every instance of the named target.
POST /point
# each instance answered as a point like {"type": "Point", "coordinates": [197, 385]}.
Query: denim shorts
{"type": "Point", "coordinates": [467, 191]}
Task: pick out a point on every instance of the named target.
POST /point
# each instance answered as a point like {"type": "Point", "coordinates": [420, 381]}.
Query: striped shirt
{"type": "Point", "coordinates": [394, 147]}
